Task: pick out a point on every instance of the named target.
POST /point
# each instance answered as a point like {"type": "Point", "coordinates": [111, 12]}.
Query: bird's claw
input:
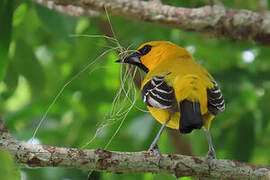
{"type": "Point", "coordinates": [154, 148]}
{"type": "Point", "coordinates": [210, 158]}
{"type": "Point", "coordinates": [211, 155]}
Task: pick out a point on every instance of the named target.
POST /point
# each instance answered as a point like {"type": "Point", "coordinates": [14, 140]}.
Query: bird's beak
{"type": "Point", "coordinates": [119, 61]}
{"type": "Point", "coordinates": [134, 58]}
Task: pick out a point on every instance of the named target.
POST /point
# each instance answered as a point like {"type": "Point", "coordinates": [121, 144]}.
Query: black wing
{"type": "Point", "coordinates": [156, 93]}
{"type": "Point", "coordinates": [215, 100]}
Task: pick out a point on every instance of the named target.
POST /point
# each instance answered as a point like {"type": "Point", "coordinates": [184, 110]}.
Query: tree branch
{"type": "Point", "coordinates": [216, 20]}
{"type": "Point", "coordinates": [68, 9]}
{"type": "Point", "coordinates": [35, 155]}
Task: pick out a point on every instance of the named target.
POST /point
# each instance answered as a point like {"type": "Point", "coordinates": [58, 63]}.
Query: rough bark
{"type": "Point", "coordinates": [217, 20]}
{"type": "Point", "coordinates": [68, 9]}
{"type": "Point", "coordinates": [35, 155]}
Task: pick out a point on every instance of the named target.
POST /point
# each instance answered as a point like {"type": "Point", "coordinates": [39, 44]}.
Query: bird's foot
{"type": "Point", "coordinates": [154, 148]}
{"type": "Point", "coordinates": [211, 158]}
{"type": "Point", "coordinates": [211, 154]}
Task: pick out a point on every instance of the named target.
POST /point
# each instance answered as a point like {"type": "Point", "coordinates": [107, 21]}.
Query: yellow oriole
{"type": "Point", "coordinates": [178, 92]}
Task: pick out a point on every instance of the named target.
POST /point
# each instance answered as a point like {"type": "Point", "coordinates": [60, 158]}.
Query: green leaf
{"type": "Point", "coordinates": [60, 25]}
{"type": "Point", "coordinates": [11, 81]}
{"type": "Point", "coordinates": [6, 11]}
{"type": "Point", "coordinates": [7, 167]}
{"type": "Point", "coordinates": [27, 65]}
{"type": "Point", "coordinates": [19, 14]}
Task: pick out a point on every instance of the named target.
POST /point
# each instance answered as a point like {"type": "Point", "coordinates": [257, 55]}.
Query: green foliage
{"type": "Point", "coordinates": [9, 171]}
{"type": "Point", "coordinates": [58, 24]}
{"type": "Point", "coordinates": [6, 11]}
{"type": "Point", "coordinates": [40, 58]}
{"type": "Point", "coordinates": [35, 74]}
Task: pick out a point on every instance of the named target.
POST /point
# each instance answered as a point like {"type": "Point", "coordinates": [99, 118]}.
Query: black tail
{"type": "Point", "coordinates": [190, 116]}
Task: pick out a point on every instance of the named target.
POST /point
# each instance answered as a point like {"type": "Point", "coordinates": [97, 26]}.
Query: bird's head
{"type": "Point", "coordinates": [151, 54]}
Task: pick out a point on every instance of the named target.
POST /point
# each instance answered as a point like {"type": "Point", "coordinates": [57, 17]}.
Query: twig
{"type": "Point", "coordinates": [69, 9]}
{"type": "Point", "coordinates": [217, 20]}
{"type": "Point", "coordinates": [35, 155]}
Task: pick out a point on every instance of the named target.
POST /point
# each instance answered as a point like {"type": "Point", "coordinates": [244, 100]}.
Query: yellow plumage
{"type": "Point", "coordinates": [189, 80]}
{"type": "Point", "coordinates": [178, 92]}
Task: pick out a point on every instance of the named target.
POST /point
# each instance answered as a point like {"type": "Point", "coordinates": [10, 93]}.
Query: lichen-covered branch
{"type": "Point", "coordinates": [35, 155]}
{"type": "Point", "coordinates": [68, 9]}
{"type": "Point", "coordinates": [235, 24]}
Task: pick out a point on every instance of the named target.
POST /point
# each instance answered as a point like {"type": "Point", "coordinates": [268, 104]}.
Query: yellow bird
{"type": "Point", "coordinates": [178, 92]}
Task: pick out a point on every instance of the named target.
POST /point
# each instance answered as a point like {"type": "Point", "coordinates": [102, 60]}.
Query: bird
{"type": "Point", "coordinates": [178, 92]}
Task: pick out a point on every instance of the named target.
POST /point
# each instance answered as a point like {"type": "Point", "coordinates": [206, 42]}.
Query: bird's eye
{"type": "Point", "coordinates": [145, 49]}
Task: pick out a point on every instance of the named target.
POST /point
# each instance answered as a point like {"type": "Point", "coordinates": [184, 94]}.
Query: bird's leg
{"type": "Point", "coordinates": [154, 145]}
{"type": "Point", "coordinates": [211, 153]}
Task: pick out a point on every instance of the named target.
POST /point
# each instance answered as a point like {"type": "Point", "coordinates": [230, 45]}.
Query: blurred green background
{"type": "Point", "coordinates": [38, 57]}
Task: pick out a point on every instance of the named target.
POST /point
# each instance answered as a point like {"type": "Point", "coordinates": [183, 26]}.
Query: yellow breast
{"type": "Point", "coordinates": [189, 81]}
